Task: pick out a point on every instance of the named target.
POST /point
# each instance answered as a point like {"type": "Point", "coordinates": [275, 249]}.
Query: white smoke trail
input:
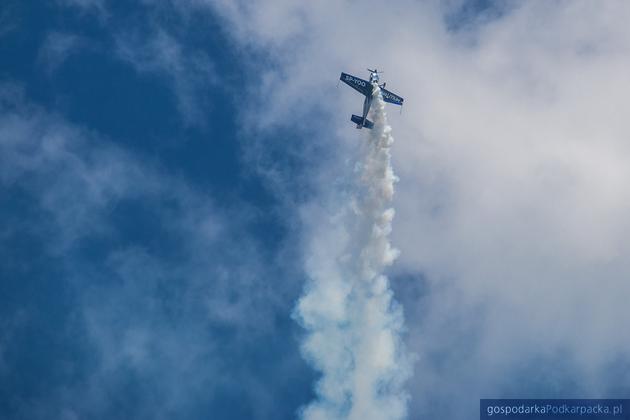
{"type": "Point", "coordinates": [354, 325]}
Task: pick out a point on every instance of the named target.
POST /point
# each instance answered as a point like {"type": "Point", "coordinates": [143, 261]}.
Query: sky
{"type": "Point", "coordinates": [169, 168]}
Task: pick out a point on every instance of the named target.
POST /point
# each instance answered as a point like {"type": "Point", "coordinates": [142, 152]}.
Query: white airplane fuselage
{"type": "Point", "coordinates": [367, 103]}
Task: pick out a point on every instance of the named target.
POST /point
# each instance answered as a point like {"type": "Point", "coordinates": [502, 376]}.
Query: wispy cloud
{"type": "Point", "coordinates": [57, 47]}
{"type": "Point", "coordinates": [99, 7]}
{"type": "Point", "coordinates": [512, 161]}
{"type": "Point", "coordinates": [160, 308]}
{"type": "Point", "coordinates": [512, 153]}
{"type": "Point", "coordinates": [189, 72]}
{"type": "Point", "coordinates": [151, 47]}
{"type": "Point", "coordinates": [9, 19]}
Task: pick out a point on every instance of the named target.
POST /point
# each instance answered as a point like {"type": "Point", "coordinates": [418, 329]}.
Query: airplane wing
{"type": "Point", "coordinates": [391, 97]}
{"type": "Point", "coordinates": [362, 86]}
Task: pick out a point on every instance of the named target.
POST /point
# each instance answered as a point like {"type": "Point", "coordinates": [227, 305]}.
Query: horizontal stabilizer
{"type": "Point", "coordinates": [359, 121]}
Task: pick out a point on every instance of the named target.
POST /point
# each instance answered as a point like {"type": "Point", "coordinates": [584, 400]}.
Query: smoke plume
{"type": "Point", "coordinates": [353, 323]}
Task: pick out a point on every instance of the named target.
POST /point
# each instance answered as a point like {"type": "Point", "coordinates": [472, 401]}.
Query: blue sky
{"type": "Point", "coordinates": [165, 166]}
{"type": "Point", "coordinates": [108, 177]}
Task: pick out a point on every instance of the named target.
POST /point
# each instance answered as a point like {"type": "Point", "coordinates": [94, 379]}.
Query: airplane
{"type": "Point", "coordinates": [367, 89]}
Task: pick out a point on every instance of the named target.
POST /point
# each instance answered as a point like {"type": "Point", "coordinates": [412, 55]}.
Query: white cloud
{"type": "Point", "coordinates": [513, 157]}
{"type": "Point", "coordinates": [512, 152]}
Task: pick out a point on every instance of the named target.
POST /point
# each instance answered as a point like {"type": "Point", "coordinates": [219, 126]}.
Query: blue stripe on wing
{"type": "Point", "coordinates": [392, 98]}
{"type": "Point", "coordinates": [360, 85]}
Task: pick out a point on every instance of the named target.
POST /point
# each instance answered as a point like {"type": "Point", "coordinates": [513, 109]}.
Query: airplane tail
{"type": "Point", "coordinates": [359, 121]}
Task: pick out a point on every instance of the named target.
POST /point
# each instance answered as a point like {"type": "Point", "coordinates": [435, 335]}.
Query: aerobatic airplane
{"type": "Point", "coordinates": [367, 89]}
